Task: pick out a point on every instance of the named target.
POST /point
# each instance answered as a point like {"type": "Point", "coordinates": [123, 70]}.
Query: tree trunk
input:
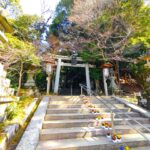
{"type": "Point", "coordinates": [20, 78]}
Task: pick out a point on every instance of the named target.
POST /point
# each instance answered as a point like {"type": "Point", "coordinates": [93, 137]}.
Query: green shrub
{"type": "Point", "coordinates": [40, 80]}
{"type": "Point", "coordinates": [13, 111]}
{"type": "Point", "coordinates": [16, 111]}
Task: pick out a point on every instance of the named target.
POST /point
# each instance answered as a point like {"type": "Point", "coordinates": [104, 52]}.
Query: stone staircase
{"type": "Point", "coordinates": [68, 125]}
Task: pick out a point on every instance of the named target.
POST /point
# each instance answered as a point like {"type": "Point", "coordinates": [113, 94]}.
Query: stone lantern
{"type": "Point", "coordinates": [50, 63]}
{"type": "Point", "coordinates": [30, 84]}
{"type": "Point", "coordinates": [30, 81]}
{"type": "Point", "coordinates": [105, 68]}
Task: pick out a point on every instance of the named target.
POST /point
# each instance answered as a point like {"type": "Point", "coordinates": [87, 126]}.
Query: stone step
{"type": "Point", "coordinates": [87, 122]}
{"type": "Point", "coordinates": [65, 98]}
{"type": "Point", "coordinates": [60, 102]}
{"type": "Point", "coordinates": [66, 106]}
{"type": "Point", "coordinates": [105, 100]}
{"type": "Point", "coordinates": [142, 148]}
{"type": "Point", "coordinates": [110, 100]}
{"type": "Point", "coordinates": [82, 132]}
{"type": "Point", "coordinates": [94, 102]}
{"type": "Point", "coordinates": [93, 143]}
{"type": "Point", "coordinates": [81, 105]}
{"type": "Point", "coordinates": [86, 115]}
{"type": "Point", "coordinates": [82, 110]}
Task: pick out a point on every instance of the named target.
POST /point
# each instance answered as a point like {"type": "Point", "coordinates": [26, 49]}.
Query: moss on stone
{"type": "Point", "coordinates": [22, 128]}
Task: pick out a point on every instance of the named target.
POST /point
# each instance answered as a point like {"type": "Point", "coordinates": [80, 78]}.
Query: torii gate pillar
{"type": "Point", "coordinates": [57, 77]}
{"type": "Point", "coordinates": [88, 83]}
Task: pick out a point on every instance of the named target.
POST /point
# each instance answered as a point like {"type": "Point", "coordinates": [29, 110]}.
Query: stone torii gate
{"type": "Point", "coordinates": [60, 62]}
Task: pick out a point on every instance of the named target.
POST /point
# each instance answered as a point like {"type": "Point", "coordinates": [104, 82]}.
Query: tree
{"type": "Point", "coordinates": [141, 73]}
{"type": "Point", "coordinates": [61, 13]}
{"type": "Point", "coordinates": [31, 28]}
{"type": "Point", "coordinates": [7, 3]}
{"type": "Point", "coordinates": [85, 12]}
{"type": "Point", "coordinates": [114, 25]}
{"type": "Point", "coordinates": [16, 55]}
{"type": "Point", "coordinates": [64, 5]}
{"type": "Point", "coordinates": [24, 26]}
{"type": "Point", "coordinates": [95, 74]}
{"type": "Point", "coordinates": [12, 6]}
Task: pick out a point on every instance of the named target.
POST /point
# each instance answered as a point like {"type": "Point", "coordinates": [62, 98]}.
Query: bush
{"type": "Point", "coordinates": [16, 111]}
{"type": "Point", "coordinates": [12, 111]}
{"type": "Point", "coordinates": [40, 80]}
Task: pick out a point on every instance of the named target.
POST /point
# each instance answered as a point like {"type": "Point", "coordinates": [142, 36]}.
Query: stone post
{"type": "Point", "coordinates": [48, 83]}
{"type": "Point", "coordinates": [105, 83]}
{"type": "Point", "coordinates": [88, 84]}
{"type": "Point", "coordinates": [57, 77]}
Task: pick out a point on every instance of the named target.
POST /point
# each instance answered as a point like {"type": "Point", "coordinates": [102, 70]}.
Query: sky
{"type": "Point", "coordinates": [147, 1]}
{"type": "Point", "coordinates": [34, 6]}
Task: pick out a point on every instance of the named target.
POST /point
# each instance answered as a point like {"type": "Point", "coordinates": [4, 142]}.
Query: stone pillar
{"type": "Point", "coordinates": [105, 83]}
{"type": "Point", "coordinates": [53, 83]}
{"type": "Point", "coordinates": [48, 83]}
{"type": "Point", "coordinates": [87, 73]}
{"type": "Point", "coordinates": [57, 77]}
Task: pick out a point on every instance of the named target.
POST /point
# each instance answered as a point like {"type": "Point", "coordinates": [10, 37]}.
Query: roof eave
{"type": "Point", "coordinates": [6, 24]}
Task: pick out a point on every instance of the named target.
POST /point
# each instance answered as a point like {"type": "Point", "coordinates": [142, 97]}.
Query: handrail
{"type": "Point", "coordinates": [110, 109]}
{"type": "Point", "coordinates": [91, 92]}
{"type": "Point", "coordinates": [133, 119]}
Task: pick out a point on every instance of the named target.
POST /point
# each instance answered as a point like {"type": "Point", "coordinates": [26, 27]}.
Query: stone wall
{"type": "Point", "coordinates": [6, 93]}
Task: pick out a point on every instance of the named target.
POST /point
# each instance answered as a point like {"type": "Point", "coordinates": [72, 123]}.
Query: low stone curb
{"type": "Point", "coordinates": [136, 108]}
{"type": "Point", "coordinates": [30, 137]}
{"type": "Point", "coordinates": [12, 129]}
{"type": "Point", "coordinates": [3, 144]}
